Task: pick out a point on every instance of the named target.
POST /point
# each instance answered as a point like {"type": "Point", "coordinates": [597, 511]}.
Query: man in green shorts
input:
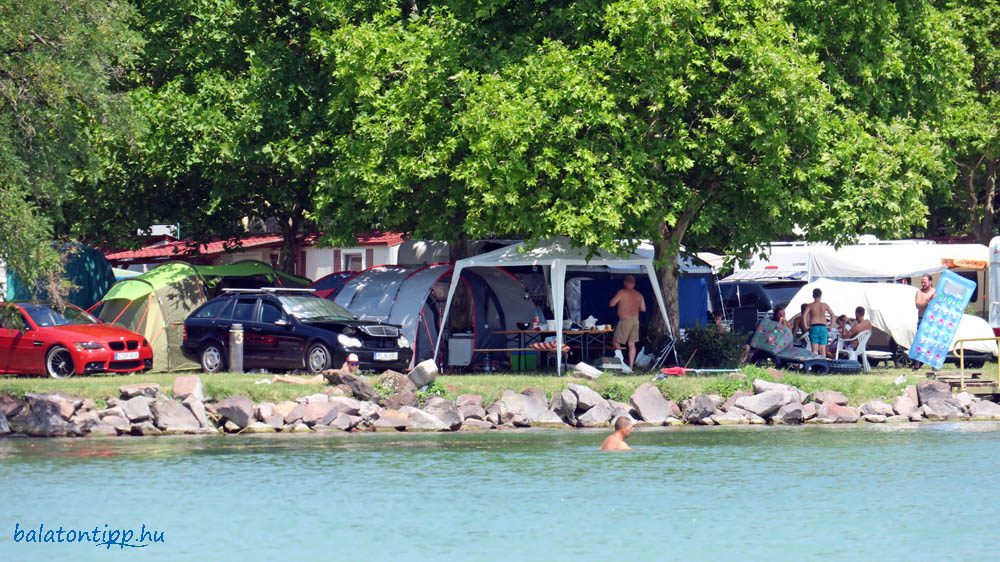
{"type": "Point", "coordinates": [630, 303]}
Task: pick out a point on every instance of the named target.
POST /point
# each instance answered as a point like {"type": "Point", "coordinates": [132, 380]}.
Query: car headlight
{"type": "Point", "coordinates": [348, 341]}
{"type": "Point", "coordinates": [402, 342]}
{"type": "Point", "coordinates": [88, 345]}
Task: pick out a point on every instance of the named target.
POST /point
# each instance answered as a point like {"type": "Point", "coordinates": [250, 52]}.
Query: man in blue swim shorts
{"type": "Point", "coordinates": [818, 316]}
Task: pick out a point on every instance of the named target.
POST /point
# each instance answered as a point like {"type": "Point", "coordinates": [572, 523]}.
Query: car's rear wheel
{"type": "Point", "coordinates": [212, 358]}
{"type": "Point", "coordinates": [318, 358]}
{"type": "Point", "coordinates": [59, 363]}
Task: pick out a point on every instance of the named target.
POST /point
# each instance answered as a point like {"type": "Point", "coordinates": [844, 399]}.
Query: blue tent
{"type": "Point", "coordinates": [692, 292]}
{"type": "Point", "coordinates": [85, 268]}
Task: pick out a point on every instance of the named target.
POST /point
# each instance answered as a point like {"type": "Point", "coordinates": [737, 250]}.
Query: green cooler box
{"type": "Point", "coordinates": [524, 360]}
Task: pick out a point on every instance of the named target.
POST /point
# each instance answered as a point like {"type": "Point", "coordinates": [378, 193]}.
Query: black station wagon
{"type": "Point", "coordinates": [290, 329]}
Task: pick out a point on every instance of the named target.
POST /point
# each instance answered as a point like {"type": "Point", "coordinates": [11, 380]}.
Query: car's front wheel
{"type": "Point", "coordinates": [318, 358]}
{"type": "Point", "coordinates": [212, 358]}
{"type": "Point", "coordinates": [59, 363]}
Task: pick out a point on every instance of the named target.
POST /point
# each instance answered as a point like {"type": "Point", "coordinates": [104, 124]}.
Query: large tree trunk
{"type": "Point", "coordinates": [291, 230]}
{"type": "Point", "coordinates": [982, 211]}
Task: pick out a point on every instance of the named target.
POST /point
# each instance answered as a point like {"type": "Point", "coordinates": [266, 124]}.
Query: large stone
{"type": "Point", "coordinates": [716, 399]}
{"type": "Point", "coordinates": [649, 403]}
{"type": "Point", "coordinates": [10, 405]}
{"type": "Point", "coordinates": [359, 387]}
{"type": "Point", "coordinates": [917, 415]}
{"type": "Point", "coordinates": [874, 418]}
{"type": "Point", "coordinates": [424, 373]}
{"type": "Point", "coordinates": [296, 414]}
{"type": "Point", "coordinates": [596, 416]}
{"type": "Point", "coordinates": [197, 408]}
{"type": "Point", "coordinates": [64, 403]}
{"type": "Point", "coordinates": [43, 419]}
{"type": "Point", "coordinates": [564, 405]}
{"type": "Point", "coordinates": [284, 408]}
{"type": "Point", "coordinates": [120, 423]}
{"type": "Point", "coordinates": [877, 408]}
{"type": "Point", "coordinates": [101, 429]}
{"type": "Point", "coordinates": [536, 405]}
{"type": "Point", "coordinates": [730, 402]}
{"type": "Point", "coordinates": [620, 409]}
{"type": "Point", "coordinates": [344, 422]}
{"type": "Point", "coordinates": [761, 385]}
{"type": "Point", "coordinates": [316, 411]}
{"type": "Point", "coordinates": [475, 425]}
{"type": "Point", "coordinates": [733, 416]}
{"type": "Point", "coordinates": [390, 419]}
{"type": "Point", "coordinates": [809, 411]}
{"type": "Point", "coordinates": [698, 409]}
{"type": "Point", "coordinates": [188, 385]}
{"type": "Point", "coordinates": [171, 415]}
{"type": "Point", "coordinates": [903, 405]}
{"type": "Point", "coordinates": [985, 410]}
{"type": "Point", "coordinates": [366, 410]}
{"type": "Point", "coordinates": [258, 427]}
{"type": "Point", "coordinates": [349, 405]}
{"type": "Point", "coordinates": [472, 412]}
{"type": "Point", "coordinates": [965, 400]}
{"type": "Point", "coordinates": [511, 404]}
{"type": "Point", "coordinates": [145, 428]}
{"type": "Point", "coordinates": [940, 409]}
{"type": "Point", "coordinates": [831, 412]}
{"type": "Point", "coordinates": [147, 389]}
{"type": "Point", "coordinates": [790, 413]}
{"type": "Point", "coordinates": [264, 410]}
{"type": "Point", "coordinates": [417, 419]}
{"type": "Point", "coordinates": [897, 419]}
{"type": "Point", "coordinates": [446, 411]}
{"type": "Point", "coordinates": [277, 421]}
{"type": "Point", "coordinates": [469, 400]}
{"type": "Point", "coordinates": [766, 403]}
{"type": "Point", "coordinates": [137, 409]}
{"type": "Point", "coordinates": [929, 390]}
{"type": "Point", "coordinates": [396, 382]}
{"type": "Point", "coordinates": [829, 396]}
{"type": "Point", "coordinates": [675, 410]}
{"type": "Point", "coordinates": [4, 425]}
{"type": "Point", "coordinates": [397, 400]}
{"type": "Point", "coordinates": [911, 392]}
{"type": "Point", "coordinates": [586, 397]}
{"type": "Point", "coordinates": [318, 397]}
{"type": "Point", "coordinates": [237, 409]}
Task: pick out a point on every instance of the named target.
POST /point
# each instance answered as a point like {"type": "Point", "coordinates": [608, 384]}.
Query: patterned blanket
{"type": "Point", "coordinates": [777, 339]}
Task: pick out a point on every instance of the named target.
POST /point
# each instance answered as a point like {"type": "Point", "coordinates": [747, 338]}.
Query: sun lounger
{"type": "Point", "coordinates": [773, 341]}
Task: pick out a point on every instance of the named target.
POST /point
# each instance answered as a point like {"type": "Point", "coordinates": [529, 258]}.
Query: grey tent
{"type": "Point", "coordinates": [414, 298]}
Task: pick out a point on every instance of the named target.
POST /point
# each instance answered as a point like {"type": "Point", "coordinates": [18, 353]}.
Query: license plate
{"type": "Point", "coordinates": [386, 355]}
{"type": "Point", "coordinates": [126, 355]}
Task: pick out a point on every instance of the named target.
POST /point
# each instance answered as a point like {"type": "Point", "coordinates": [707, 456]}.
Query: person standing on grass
{"type": "Point", "coordinates": [616, 441]}
{"type": "Point", "coordinates": [818, 322]}
{"type": "Point", "coordinates": [630, 303]}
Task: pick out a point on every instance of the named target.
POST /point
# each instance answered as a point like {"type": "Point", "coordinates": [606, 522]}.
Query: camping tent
{"type": "Point", "coordinates": [890, 308]}
{"type": "Point", "coordinates": [85, 268]}
{"type": "Point", "coordinates": [155, 304]}
{"type": "Point", "coordinates": [554, 256]}
{"type": "Point", "coordinates": [247, 274]}
{"type": "Point", "coordinates": [411, 298]}
{"type": "Point", "coordinates": [994, 281]}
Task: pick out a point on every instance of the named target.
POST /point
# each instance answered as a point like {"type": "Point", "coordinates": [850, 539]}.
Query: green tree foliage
{"type": "Point", "coordinates": [60, 62]}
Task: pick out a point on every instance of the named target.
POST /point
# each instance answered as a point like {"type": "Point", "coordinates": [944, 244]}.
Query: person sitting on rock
{"type": "Point", "coordinates": [352, 365]}
{"type": "Point", "coordinates": [616, 441]}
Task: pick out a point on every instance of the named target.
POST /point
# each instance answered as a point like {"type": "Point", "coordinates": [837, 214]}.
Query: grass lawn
{"type": "Point", "coordinates": [857, 388]}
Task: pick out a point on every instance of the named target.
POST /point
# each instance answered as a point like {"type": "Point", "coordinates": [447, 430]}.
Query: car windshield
{"type": "Point", "coordinates": [45, 315]}
{"type": "Point", "coordinates": [314, 309]}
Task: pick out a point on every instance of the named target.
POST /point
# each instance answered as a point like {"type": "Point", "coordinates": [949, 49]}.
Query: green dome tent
{"type": "Point", "coordinates": [247, 274]}
{"type": "Point", "coordinates": [155, 304]}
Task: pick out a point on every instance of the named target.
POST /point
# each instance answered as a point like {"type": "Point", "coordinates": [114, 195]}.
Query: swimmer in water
{"type": "Point", "coordinates": [616, 441]}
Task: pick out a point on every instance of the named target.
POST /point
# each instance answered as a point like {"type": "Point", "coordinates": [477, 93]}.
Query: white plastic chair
{"type": "Point", "coordinates": [862, 343]}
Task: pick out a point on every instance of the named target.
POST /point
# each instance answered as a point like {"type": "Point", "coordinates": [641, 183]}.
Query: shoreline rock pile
{"type": "Point", "coordinates": [141, 409]}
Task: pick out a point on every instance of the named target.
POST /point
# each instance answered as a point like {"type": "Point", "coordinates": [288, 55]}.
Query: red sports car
{"type": "Point", "coordinates": [40, 339]}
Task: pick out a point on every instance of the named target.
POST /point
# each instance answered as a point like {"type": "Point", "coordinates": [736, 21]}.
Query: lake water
{"type": "Point", "coordinates": [868, 492]}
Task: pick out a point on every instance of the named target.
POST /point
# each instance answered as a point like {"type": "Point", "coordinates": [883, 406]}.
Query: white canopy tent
{"type": "Point", "coordinates": [554, 256]}
{"type": "Point", "coordinates": [890, 308]}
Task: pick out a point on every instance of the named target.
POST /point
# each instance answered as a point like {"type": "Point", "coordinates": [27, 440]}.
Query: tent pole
{"type": "Point", "coordinates": [558, 289]}
{"type": "Point", "coordinates": [659, 300]}
{"type": "Point", "coordinates": [456, 273]}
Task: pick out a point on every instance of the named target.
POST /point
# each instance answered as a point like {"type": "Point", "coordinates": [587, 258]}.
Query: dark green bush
{"type": "Point", "coordinates": [711, 348]}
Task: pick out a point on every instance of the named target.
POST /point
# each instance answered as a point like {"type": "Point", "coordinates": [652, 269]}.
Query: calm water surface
{"type": "Point", "coordinates": [910, 492]}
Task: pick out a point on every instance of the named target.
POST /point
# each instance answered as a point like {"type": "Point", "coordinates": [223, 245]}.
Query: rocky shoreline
{"type": "Point", "coordinates": [353, 404]}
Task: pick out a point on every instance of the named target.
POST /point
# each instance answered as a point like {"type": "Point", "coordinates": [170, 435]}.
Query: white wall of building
{"type": "Point", "coordinates": [320, 261]}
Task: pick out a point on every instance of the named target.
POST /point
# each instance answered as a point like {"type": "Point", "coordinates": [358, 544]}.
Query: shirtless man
{"type": "Point", "coordinates": [799, 326]}
{"type": "Point", "coordinates": [924, 296]}
{"type": "Point", "coordinates": [819, 323]}
{"type": "Point", "coordinates": [860, 324]}
{"type": "Point", "coordinates": [616, 441]}
{"type": "Point", "coordinates": [630, 303]}
{"type": "Point", "coordinates": [352, 365]}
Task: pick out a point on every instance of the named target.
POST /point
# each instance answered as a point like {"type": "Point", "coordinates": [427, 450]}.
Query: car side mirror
{"type": "Point", "coordinates": [282, 322]}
